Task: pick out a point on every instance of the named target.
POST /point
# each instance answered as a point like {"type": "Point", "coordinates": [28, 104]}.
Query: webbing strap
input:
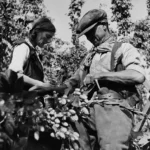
{"type": "Point", "coordinates": [116, 46]}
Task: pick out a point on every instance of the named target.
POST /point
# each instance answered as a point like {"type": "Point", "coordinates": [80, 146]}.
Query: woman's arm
{"type": "Point", "coordinates": [20, 56]}
{"type": "Point", "coordinates": [47, 88]}
{"type": "Point", "coordinates": [30, 81]}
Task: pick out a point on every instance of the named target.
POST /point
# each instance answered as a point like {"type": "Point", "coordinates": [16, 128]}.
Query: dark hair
{"type": "Point", "coordinates": [41, 24]}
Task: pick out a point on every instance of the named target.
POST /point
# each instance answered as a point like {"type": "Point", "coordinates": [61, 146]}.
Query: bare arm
{"type": "Point", "coordinates": [47, 88]}
{"type": "Point", "coordinates": [123, 77]}
{"type": "Point", "coordinates": [30, 81]}
{"type": "Point", "coordinates": [20, 56]}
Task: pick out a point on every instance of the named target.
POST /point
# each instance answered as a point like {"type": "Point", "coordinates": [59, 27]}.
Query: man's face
{"type": "Point", "coordinates": [96, 34]}
{"type": "Point", "coordinates": [43, 38]}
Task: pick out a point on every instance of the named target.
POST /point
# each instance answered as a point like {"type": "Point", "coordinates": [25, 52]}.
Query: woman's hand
{"type": "Point", "coordinates": [47, 88]}
{"type": "Point", "coordinates": [42, 88]}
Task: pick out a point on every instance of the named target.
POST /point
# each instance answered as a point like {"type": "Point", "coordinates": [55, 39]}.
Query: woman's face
{"type": "Point", "coordinates": [43, 38]}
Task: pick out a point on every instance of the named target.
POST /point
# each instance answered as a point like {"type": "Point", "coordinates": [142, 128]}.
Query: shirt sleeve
{"type": "Point", "coordinates": [20, 56]}
{"type": "Point", "coordinates": [131, 58]}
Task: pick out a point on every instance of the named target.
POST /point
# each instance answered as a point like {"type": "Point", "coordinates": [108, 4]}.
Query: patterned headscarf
{"type": "Point", "coordinates": [43, 24]}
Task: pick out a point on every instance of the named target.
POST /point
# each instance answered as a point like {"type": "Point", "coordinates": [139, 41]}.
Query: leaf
{"type": "Point", "coordinates": [52, 135]}
{"type": "Point", "coordinates": [42, 129]}
{"type": "Point", "coordinates": [54, 128]}
{"type": "Point", "coordinates": [21, 143]}
{"type": "Point", "coordinates": [9, 129]}
{"type": "Point", "coordinates": [11, 77]}
{"type": "Point", "coordinates": [4, 96]}
{"type": "Point", "coordinates": [36, 135]}
{"type": "Point", "coordinates": [74, 118]}
{"type": "Point", "coordinates": [19, 84]}
{"type": "Point", "coordinates": [9, 125]}
{"type": "Point", "coordinates": [29, 97]}
{"type": "Point", "coordinates": [85, 111]}
{"type": "Point", "coordinates": [4, 85]}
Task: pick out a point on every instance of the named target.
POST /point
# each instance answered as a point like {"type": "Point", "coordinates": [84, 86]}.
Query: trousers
{"type": "Point", "coordinates": [107, 128]}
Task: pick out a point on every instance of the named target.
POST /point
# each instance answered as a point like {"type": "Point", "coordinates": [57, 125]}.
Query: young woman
{"type": "Point", "coordinates": [25, 60]}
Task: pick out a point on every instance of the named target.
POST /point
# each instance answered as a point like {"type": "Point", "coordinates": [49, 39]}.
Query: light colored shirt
{"type": "Point", "coordinates": [131, 59]}
{"type": "Point", "coordinates": [20, 56]}
{"type": "Point", "coordinates": [101, 62]}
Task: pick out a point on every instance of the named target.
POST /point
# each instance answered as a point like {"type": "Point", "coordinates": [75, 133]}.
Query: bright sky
{"type": "Point", "coordinates": [58, 10]}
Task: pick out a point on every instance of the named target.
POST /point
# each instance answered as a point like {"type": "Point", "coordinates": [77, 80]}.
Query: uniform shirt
{"type": "Point", "coordinates": [20, 56]}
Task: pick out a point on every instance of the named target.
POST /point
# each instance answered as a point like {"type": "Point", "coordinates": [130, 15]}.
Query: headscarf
{"type": "Point", "coordinates": [103, 48]}
{"type": "Point", "coordinates": [43, 24]}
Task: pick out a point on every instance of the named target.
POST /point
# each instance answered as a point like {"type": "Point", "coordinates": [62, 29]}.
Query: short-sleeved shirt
{"type": "Point", "coordinates": [20, 56]}
{"type": "Point", "coordinates": [130, 60]}
{"type": "Point", "coordinates": [101, 61]}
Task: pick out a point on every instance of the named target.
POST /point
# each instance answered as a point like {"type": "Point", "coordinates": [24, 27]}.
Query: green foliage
{"type": "Point", "coordinates": [121, 14]}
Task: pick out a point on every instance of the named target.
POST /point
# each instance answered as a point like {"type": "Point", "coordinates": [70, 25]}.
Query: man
{"type": "Point", "coordinates": [109, 126]}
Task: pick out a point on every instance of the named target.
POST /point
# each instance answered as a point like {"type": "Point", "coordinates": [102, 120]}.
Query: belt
{"type": "Point", "coordinates": [110, 96]}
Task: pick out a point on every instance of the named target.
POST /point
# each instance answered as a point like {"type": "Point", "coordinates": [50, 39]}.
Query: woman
{"type": "Point", "coordinates": [26, 62]}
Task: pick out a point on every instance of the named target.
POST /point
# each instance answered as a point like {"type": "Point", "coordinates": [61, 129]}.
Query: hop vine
{"type": "Point", "coordinates": [121, 14]}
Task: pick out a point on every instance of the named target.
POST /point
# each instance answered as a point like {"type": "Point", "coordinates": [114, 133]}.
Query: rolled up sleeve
{"type": "Point", "coordinates": [20, 56]}
{"type": "Point", "coordinates": [131, 58]}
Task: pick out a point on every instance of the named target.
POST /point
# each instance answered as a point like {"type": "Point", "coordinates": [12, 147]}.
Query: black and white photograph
{"type": "Point", "coordinates": [74, 74]}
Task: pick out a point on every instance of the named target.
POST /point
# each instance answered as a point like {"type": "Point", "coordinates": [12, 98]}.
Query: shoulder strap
{"type": "Point", "coordinates": [116, 46]}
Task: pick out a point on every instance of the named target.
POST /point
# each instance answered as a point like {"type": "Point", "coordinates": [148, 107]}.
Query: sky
{"type": "Point", "coordinates": [58, 10]}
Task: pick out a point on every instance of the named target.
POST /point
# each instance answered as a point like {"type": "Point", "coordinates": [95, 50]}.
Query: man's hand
{"type": "Point", "coordinates": [126, 77]}
{"type": "Point", "coordinates": [88, 79]}
{"type": "Point", "coordinates": [69, 89]}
